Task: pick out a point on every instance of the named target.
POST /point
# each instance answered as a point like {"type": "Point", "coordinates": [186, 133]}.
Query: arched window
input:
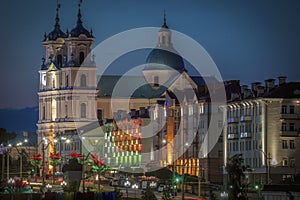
{"type": "Point", "coordinates": [156, 83]}
{"type": "Point", "coordinates": [67, 80]}
{"type": "Point", "coordinates": [59, 59]}
{"type": "Point", "coordinates": [66, 111]}
{"type": "Point", "coordinates": [44, 113]}
{"type": "Point", "coordinates": [81, 57]}
{"type": "Point", "coordinates": [83, 110]}
{"type": "Point", "coordinates": [83, 80]}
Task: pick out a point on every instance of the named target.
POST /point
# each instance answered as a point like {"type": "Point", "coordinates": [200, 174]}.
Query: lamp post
{"type": "Point", "coordinates": [185, 146]}
{"type": "Point", "coordinates": [21, 160]}
{"type": "Point", "coordinates": [164, 141]}
{"type": "Point", "coordinates": [268, 165]}
{"type": "Point", "coordinates": [7, 164]}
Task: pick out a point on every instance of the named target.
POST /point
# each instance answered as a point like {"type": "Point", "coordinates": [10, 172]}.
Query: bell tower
{"type": "Point", "coordinates": [67, 89]}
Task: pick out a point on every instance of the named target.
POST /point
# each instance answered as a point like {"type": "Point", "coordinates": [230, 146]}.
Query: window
{"type": "Point", "coordinates": [81, 57]}
{"type": "Point", "coordinates": [292, 144]}
{"type": "Point", "coordinates": [284, 162]}
{"type": "Point", "coordinates": [59, 59]}
{"type": "Point", "coordinates": [292, 162]}
{"type": "Point", "coordinates": [83, 80]}
{"type": "Point", "coordinates": [292, 127]}
{"type": "Point", "coordinates": [292, 109]}
{"type": "Point", "coordinates": [283, 109]}
{"type": "Point", "coordinates": [284, 144]}
{"type": "Point", "coordinates": [156, 81]}
{"type": "Point", "coordinates": [283, 127]}
{"type": "Point", "coordinates": [44, 113]}
{"type": "Point", "coordinates": [83, 110]}
{"type": "Point", "coordinates": [67, 80]}
{"type": "Point", "coordinates": [99, 114]}
{"type": "Point", "coordinates": [66, 111]}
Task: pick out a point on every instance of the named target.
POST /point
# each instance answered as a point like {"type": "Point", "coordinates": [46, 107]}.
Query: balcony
{"type": "Point", "coordinates": [232, 120]}
{"type": "Point", "coordinates": [245, 135]}
{"type": "Point", "coordinates": [232, 136]}
{"type": "Point", "coordinates": [246, 118]}
{"type": "Point", "coordinates": [290, 133]}
{"type": "Point", "coordinates": [289, 116]}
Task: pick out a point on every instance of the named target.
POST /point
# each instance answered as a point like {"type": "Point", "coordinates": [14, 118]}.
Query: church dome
{"type": "Point", "coordinates": [160, 59]}
{"type": "Point", "coordinates": [56, 33]}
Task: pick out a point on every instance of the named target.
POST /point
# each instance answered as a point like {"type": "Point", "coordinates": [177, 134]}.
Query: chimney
{"type": "Point", "coordinates": [254, 87]}
{"type": "Point", "coordinates": [243, 87]}
{"type": "Point", "coordinates": [270, 84]}
{"type": "Point", "coordinates": [281, 80]}
{"type": "Point", "coordinates": [260, 91]}
{"type": "Point", "coordinates": [247, 93]}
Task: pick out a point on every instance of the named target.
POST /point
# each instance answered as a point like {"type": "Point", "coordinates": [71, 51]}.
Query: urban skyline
{"type": "Point", "coordinates": [261, 37]}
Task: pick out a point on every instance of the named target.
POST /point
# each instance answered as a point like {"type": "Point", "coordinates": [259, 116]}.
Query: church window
{"type": "Point", "coordinates": [156, 81]}
{"type": "Point", "coordinates": [44, 113]}
{"type": "Point", "coordinates": [59, 59]}
{"type": "Point", "coordinates": [83, 80]}
{"type": "Point", "coordinates": [99, 114]}
{"type": "Point", "coordinates": [67, 80]}
{"type": "Point", "coordinates": [81, 57]}
{"type": "Point", "coordinates": [66, 111]}
{"type": "Point", "coordinates": [83, 110]}
{"type": "Point", "coordinates": [164, 39]}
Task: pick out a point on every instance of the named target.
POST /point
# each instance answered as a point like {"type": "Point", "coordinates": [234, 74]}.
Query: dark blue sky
{"type": "Point", "coordinates": [248, 40]}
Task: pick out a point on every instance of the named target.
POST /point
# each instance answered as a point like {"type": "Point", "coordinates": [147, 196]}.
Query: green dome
{"type": "Point", "coordinates": [165, 60]}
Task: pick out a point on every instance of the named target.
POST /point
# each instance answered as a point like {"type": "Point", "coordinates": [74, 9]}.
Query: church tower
{"type": "Point", "coordinates": [67, 89]}
{"type": "Point", "coordinates": [163, 62]}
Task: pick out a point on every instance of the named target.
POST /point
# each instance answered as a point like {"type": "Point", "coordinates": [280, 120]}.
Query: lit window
{"type": "Point", "coordinates": [284, 162]}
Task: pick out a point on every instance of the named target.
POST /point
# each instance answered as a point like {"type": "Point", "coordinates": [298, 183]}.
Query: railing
{"type": "Point", "coordinates": [290, 133]}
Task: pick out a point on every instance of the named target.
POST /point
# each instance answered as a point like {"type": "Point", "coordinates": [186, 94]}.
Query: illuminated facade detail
{"type": "Point", "coordinates": [64, 100]}
{"type": "Point", "coordinates": [264, 126]}
{"type": "Point", "coordinates": [124, 146]}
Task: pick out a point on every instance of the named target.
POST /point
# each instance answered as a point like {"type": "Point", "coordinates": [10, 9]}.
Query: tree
{"type": "Point", "coordinates": [148, 194]}
{"type": "Point", "coordinates": [235, 169]}
{"type": "Point", "coordinates": [6, 136]}
{"type": "Point", "coordinates": [166, 195]}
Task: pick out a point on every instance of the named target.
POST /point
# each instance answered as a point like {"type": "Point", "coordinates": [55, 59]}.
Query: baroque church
{"type": "Point", "coordinates": [73, 103]}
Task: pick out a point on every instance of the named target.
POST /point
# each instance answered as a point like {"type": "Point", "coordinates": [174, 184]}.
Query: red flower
{"type": "Point", "coordinates": [36, 157]}
{"type": "Point", "coordinates": [96, 161]}
{"type": "Point", "coordinates": [76, 155]}
{"type": "Point", "coordinates": [54, 156]}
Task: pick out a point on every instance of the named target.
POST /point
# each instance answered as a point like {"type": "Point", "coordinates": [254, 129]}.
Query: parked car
{"type": "Point", "coordinates": [114, 182]}
{"type": "Point", "coordinates": [162, 188]}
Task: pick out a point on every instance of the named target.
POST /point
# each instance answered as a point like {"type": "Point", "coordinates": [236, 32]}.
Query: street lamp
{"type": "Point", "coordinates": [268, 165]}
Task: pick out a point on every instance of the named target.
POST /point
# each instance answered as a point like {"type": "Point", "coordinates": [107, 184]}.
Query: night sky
{"type": "Point", "coordinates": [248, 40]}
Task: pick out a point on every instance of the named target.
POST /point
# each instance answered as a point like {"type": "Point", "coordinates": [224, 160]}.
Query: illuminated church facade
{"type": "Point", "coordinates": [72, 100]}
